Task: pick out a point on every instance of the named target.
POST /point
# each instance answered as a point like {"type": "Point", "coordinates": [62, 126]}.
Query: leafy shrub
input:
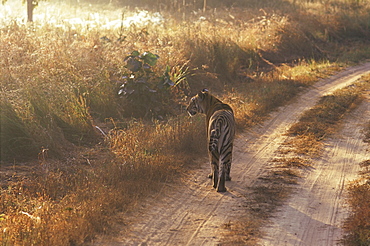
{"type": "Point", "coordinates": [145, 94]}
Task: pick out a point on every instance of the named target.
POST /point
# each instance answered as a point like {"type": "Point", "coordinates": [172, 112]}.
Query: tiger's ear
{"type": "Point", "coordinates": [202, 94]}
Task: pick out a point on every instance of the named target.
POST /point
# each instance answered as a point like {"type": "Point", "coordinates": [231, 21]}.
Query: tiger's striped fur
{"type": "Point", "coordinates": [220, 134]}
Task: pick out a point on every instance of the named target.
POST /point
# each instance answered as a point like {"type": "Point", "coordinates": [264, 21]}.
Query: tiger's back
{"type": "Point", "coordinates": [220, 133]}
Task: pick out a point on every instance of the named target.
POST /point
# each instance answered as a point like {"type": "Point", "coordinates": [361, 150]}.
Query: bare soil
{"type": "Point", "coordinates": [193, 213]}
{"type": "Point", "coordinates": [315, 213]}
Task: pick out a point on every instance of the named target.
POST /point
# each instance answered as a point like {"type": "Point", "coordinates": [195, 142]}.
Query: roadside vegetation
{"type": "Point", "coordinates": [92, 119]}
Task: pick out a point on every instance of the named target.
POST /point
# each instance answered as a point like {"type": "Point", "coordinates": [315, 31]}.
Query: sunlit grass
{"type": "Point", "coordinates": [81, 16]}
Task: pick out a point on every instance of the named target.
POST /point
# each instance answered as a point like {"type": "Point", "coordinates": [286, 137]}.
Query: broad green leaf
{"type": "Point", "coordinates": [135, 53]}
{"type": "Point", "coordinates": [149, 58]}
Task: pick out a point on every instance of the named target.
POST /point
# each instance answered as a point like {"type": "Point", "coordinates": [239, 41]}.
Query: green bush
{"type": "Point", "coordinates": [146, 94]}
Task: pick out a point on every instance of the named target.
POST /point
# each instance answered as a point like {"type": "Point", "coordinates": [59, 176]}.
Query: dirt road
{"type": "Point", "coordinates": [315, 213]}
{"type": "Point", "coordinates": [194, 214]}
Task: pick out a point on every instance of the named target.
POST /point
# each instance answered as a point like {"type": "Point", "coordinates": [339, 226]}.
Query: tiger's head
{"type": "Point", "coordinates": [197, 103]}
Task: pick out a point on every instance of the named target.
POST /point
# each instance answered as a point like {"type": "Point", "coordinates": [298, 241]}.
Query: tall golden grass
{"type": "Point", "coordinates": [58, 83]}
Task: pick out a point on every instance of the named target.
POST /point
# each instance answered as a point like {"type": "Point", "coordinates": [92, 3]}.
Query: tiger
{"type": "Point", "coordinates": [220, 134]}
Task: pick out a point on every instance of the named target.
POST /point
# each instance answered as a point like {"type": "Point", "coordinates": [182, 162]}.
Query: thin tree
{"type": "Point", "coordinates": [31, 4]}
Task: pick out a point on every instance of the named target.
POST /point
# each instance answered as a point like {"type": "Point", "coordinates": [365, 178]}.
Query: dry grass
{"type": "Point", "coordinates": [322, 120]}
{"type": "Point", "coordinates": [357, 225]}
{"type": "Point", "coordinates": [60, 81]}
{"type": "Point", "coordinates": [67, 203]}
{"type": "Point", "coordinates": [241, 233]}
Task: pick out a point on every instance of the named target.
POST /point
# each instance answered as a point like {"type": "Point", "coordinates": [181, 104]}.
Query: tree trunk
{"type": "Point", "coordinates": [30, 7]}
{"type": "Point", "coordinates": [204, 5]}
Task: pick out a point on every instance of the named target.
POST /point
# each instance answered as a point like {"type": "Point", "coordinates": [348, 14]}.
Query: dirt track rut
{"type": "Point", "coordinates": [194, 214]}
{"type": "Point", "coordinates": [315, 213]}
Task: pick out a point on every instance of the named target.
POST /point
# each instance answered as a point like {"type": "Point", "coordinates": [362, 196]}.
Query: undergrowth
{"type": "Point", "coordinates": [71, 155]}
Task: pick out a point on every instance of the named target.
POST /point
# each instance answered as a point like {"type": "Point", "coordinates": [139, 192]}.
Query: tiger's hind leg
{"type": "Point", "coordinates": [227, 174]}
{"type": "Point", "coordinates": [215, 175]}
{"type": "Point", "coordinates": [227, 170]}
{"type": "Point", "coordinates": [214, 162]}
{"type": "Point", "coordinates": [214, 167]}
{"type": "Point", "coordinates": [228, 163]}
{"type": "Point", "coordinates": [212, 151]}
{"type": "Point", "coordinates": [221, 176]}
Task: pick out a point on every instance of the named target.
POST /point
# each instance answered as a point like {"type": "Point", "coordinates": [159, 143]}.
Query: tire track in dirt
{"type": "Point", "coordinates": [194, 213]}
{"type": "Point", "coordinates": [314, 215]}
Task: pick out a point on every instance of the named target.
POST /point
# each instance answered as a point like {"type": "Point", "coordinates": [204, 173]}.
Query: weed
{"type": "Point", "coordinates": [146, 94]}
